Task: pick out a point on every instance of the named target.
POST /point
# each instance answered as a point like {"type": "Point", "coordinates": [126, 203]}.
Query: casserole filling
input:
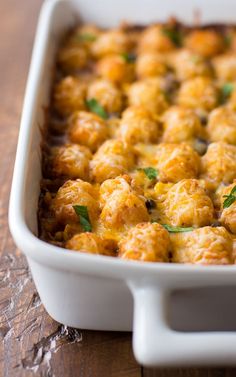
{"type": "Point", "coordinates": [139, 149]}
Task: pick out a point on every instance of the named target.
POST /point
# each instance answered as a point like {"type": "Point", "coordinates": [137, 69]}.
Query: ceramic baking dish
{"type": "Point", "coordinates": [102, 293]}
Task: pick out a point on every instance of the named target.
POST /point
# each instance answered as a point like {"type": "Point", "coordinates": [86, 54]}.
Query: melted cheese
{"type": "Point", "coordinates": [126, 114]}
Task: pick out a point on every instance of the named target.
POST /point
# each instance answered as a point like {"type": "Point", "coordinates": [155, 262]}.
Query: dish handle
{"type": "Point", "coordinates": [156, 344]}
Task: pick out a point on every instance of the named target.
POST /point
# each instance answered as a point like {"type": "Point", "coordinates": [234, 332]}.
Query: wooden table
{"type": "Point", "coordinates": [31, 343]}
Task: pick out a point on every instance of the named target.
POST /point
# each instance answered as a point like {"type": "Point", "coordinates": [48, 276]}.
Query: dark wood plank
{"type": "Point", "coordinates": [31, 343]}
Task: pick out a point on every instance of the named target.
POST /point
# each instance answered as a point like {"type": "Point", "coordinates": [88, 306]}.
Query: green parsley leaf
{"type": "Point", "coordinates": [82, 213]}
{"type": "Point", "coordinates": [96, 108]}
{"type": "Point", "coordinates": [233, 191]}
{"type": "Point", "coordinates": [128, 57]}
{"type": "Point", "coordinates": [230, 199]}
{"type": "Point", "coordinates": [174, 35]}
{"type": "Point", "coordinates": [150, 172]}
{"type": "Point", "coordinates": [226, 90]}
{"type": "Point", "coordinates": [85, 37]}
{"type": "Point", "coordinates": [176, 229]}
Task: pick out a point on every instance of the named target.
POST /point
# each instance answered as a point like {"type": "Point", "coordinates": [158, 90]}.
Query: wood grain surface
{"type": "Point", "coordinates": [31, 343]}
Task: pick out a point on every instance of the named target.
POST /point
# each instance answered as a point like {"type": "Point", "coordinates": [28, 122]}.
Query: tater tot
{"type": "Point", "coordinates": [116, 69]}
{"type": "Point", "coordinates": [138, 125]}
{"type": "Point", "coordinates": [219, 163]}
{"type": "Point", "coordinates": [199, 94]}
{"type": "Point", "coordinates": [207, 43]}
{"type": "Point", "coordinates": [149, 94]}
{"type": "Point", "coordinates": [90, 243]}
{"type": "Point", "coordinates": [222, 125]}
{"type": "Point", "coordinates": [112, 159]}
{"type": "Point", "coordinates": [188, 65]}
{"type": "Point", "coordinates": [176, 162]}
{"type": "Point", "coordinates": [69, 95]}
{"type": "Point", "coordinates": [181, 124]}
{"type": "Point", "coordinates": [87, 129]}
{"type": "Point", "coordinates": [147, 242]}
{"type": "Point", "coordinates": [85, 35]}
{"type": "Point", "coordinates": [155, 39]}
{"type": "Point", "coordinates": [74, 192]}
{"type": "Point", "coordinates": [207, 246]}
{"type": "Point", "coordinates": [225, 67]}
{"type": "Point", "coordinates": [107, 95]}
{"type": "Point", "coordinates": [70, 161]}
{"type": "Point", "coordinates": [111, 42]}
{"type": "Point", "coordinates": [187, 204]}
{"type": "Point", "coordinates": [122, 207]}
{"type": "Point", "coordinates": [108, 187]}
{"type": "Point", "coordinates": [150, 65]}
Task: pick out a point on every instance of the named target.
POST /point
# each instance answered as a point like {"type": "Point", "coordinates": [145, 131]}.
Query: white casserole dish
{"type": "Point", "coordinates": [92, 292]}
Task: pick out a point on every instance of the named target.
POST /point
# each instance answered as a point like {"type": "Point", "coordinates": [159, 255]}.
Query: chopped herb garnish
{"type": "Point", "coordinates": [150, 172]}
{"type": "Point", "coordinates": [174, 35]}
{"type": "Point", "coordinates": [128, 57]}
{"type": "Point", "coordinates": [230, 199]}
{"type": "Point", "coordinates": [176, 229]}
{"type": "Point", "coordinates": [82, 213]}
{"type": "Point", "coordinates": [96, 108]}
{"type": "Point", "coordinates": [226, 90]}
{"type": "Point", "coordinates": [85, 37]}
